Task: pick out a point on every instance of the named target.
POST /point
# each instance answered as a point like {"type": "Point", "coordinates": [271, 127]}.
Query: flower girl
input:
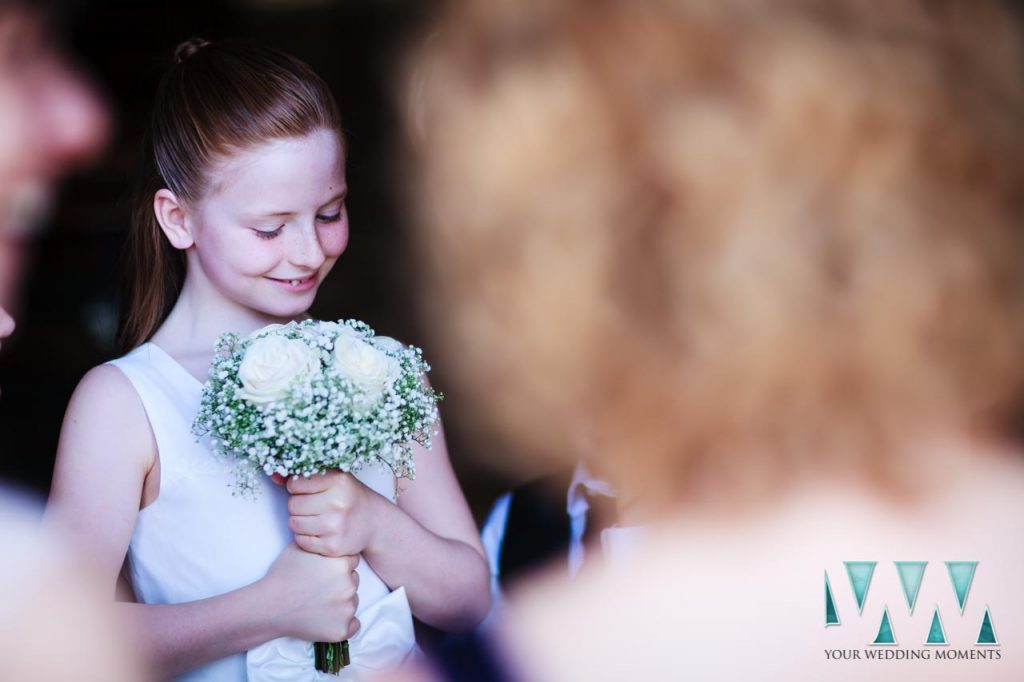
{"type": "Point", "coordinates": [240, 217]}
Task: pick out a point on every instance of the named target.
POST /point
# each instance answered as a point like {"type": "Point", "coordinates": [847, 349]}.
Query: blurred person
{"type": "Point", "coordinates": [53, 623]}
{"type": "Point", "coordinates": [559, 518]}
{"type": "Point", "coordinates": [50, 122]}
{"type": "Point", "coordinates": [764, 258]}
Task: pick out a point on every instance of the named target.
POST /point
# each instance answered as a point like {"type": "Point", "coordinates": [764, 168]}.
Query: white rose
{"type": "Point", "coordinates": [272, 365]}
{"type": "Point", "coordinates": [368, 368]}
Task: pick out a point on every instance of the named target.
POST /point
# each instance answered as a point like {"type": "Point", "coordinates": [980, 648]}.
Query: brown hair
{"type": "Point", "coordinates": [733, 240]}
{"type": "Point", "coordinates": [217, 98]}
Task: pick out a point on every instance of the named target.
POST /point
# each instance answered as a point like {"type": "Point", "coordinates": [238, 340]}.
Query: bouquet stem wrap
{"type": "Point", "coordinates": [331, 657]}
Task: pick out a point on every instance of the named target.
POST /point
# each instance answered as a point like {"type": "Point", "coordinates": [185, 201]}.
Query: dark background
{"type": "Point", "coordinates": [68, 314]}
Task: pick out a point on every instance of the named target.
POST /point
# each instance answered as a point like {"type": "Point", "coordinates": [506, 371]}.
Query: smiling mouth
{"type": "Point", "coordinates": [293, 282]}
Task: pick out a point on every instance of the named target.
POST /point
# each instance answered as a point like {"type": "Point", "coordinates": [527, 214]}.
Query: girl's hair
{"type": "Point", "coordinates": [732, 240]}
{"type": "Point", "coordinates": [217, 98]}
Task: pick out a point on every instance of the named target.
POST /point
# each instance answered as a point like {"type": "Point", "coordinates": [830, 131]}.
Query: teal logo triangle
{"type": "Point", "coordinates": [831, 614]}
{"type": "Point", "coordinates": [987, 635]}
{"type": "Point", "coordinates": [961, 574]}
{"type": "Point", "coordinates": [911, 575]}
{"type": "Point", "coordinates": [936, 633]}
{"type": "Point", "coordinates": [860, 573]}
{"type": "Point", "coordinates": [885, 633]}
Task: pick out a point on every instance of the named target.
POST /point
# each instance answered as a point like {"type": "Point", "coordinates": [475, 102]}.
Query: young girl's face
{"type": "Point", "coordinates": [272, 223]}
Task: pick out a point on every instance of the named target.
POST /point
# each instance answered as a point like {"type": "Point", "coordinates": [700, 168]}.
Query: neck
{"type": "Point", "coordinates": [201, 314]}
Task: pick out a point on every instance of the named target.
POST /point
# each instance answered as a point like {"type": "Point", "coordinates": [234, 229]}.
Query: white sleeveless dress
{"type": "Point", "coordinates": [198, 540]}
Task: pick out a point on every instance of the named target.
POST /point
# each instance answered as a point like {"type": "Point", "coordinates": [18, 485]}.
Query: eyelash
{"type": "Point", "coordinates": [271, 234]}
{"type": "Point", "coordinates": [264, 234]}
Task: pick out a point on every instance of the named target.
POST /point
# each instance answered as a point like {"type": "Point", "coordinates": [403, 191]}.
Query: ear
{"type": "Point", "coordinates": [170, 213]}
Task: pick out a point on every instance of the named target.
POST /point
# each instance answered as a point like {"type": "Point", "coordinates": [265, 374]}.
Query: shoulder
{"type": "Point", "coordinates": [104, 459]}
{"type": "Point", "coordinates": [108, 388]}
{"type": "Point", "coordinates": [105, 407]}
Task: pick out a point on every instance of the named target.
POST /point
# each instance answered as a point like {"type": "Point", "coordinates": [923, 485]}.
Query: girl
{"type": "Point", "coordinates": [241, 216]}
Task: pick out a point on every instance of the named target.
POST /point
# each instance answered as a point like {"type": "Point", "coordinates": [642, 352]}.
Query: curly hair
{"type": "Point", "coordinates": [725, 241]}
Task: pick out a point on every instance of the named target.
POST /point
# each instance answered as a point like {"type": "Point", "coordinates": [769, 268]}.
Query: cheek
{"type": "Point", "coordinates": [258, 259]}
{"type": "Point", "coordinates": [10, 270]}
{"type": "Point", "coordinates": [334, 241]}
{"type": "Point", "coordinates": [240, 254]}
{"type": "Point", "coordinates": [18, 152]}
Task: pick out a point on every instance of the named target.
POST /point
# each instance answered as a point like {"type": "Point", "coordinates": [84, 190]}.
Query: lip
{"type": "Point", "coordinates": [303, 284]}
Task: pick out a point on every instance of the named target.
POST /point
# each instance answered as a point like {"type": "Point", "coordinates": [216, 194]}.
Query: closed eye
{"type": "Point", "coordinates": [268, 234]}
{"type": "Point", "coordinates": [329, 218]}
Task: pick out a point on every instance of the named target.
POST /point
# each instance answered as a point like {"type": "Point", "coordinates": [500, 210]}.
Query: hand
{"type": "Point", "coordinates": [332, 514]}
{"type": "Point", "coordinates": [317, 595]}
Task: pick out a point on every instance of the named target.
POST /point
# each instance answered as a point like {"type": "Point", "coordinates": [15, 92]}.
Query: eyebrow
{"type": "Point", "coordinates": [283, 214]}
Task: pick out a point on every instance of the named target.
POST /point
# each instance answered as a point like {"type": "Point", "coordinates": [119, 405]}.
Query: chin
{"type": "Point", "coordinates": [285, 309]}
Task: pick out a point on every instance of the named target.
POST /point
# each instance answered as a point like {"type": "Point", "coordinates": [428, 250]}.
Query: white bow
{"type": "Point", "coordinates": [384, 640]}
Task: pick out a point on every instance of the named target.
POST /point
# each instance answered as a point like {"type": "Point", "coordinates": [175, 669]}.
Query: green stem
{"type": "Point", "coordinates": [331, 657]}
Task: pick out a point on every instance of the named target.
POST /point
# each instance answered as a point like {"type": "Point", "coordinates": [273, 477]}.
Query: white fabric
{"type": "Point", "coordinates": [583, 482]}
{"type": "Point", "coordinates": [198, 540]}
{"type": "Point", "coordinates": [492, 536]}
{"type": "Point", "coordinates": [373, 649]}
{"type": "Point", "coordinates": [621, 543]}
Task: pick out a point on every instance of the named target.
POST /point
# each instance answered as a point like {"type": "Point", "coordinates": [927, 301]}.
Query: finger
{"type": "Point", "coordinates": [308, 505]}
{"type": "Point", "coordinates": [314, 544]}
{"type": "Point", "coordinates": [305, 486]}
{"type": "Point", "coordinates": [328, 546]}
{"type": "Point", "coordinates": [333, 479]}
{"type": "Point", "coordinates": [278, 479]}
{"type": "Point", "coordinates": [308, 525]}
{"type": "Point", "coordinates": [353, 628]}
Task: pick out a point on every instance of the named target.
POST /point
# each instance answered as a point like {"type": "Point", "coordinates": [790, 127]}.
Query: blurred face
{"type": "Point", "coordinates": [49, 121]}
{"type": "Point", "coordinates": [10, 272]}
{"type": "Point", "coordinates": [273, 223]}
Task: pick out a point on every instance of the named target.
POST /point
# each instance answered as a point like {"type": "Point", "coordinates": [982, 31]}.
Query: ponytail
{"type": "Point", "coordinates": [154, 271]}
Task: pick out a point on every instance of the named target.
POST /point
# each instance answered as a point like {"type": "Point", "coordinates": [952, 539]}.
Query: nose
{"type": "Point", "coordinates": [306, 251]}
{"type": "Point", "coordinates": [6, 324]}
{"type": "Point", "coordinates": [75, 120]}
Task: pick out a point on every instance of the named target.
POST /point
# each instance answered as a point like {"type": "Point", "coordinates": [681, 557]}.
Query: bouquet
{"type": "Point", "coordinates": [305, 397]}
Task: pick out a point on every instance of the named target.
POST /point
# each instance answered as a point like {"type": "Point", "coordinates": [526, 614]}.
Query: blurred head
{"type": "Point", "coordinates": [717, 245]}
{"type": "Point", "coordinates": [50, 121]}
{"type": "Point", "coordinates": [243, 186]}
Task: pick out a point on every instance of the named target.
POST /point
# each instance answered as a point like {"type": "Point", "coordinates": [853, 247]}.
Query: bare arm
{"type": "Point", "coordinates": [174, 638]}
{"type": "Point", "coordinates": [105, 455]}
{"type": "Point", "coordinates": [303, 595]}
{"type": "Point", "coordinates": [432, 546]}
{"type": "Point", "coordinates": [428, 542]}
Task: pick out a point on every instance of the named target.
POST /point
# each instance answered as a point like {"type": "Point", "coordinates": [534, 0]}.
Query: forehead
{"type": "Point", "coordinates": [22, 35]}
{"type": "Point", "coordinates": [281, 174]}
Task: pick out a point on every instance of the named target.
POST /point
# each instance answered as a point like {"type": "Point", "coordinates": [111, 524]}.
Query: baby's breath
{"type": "Point", "coordinates": [324, 421]}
